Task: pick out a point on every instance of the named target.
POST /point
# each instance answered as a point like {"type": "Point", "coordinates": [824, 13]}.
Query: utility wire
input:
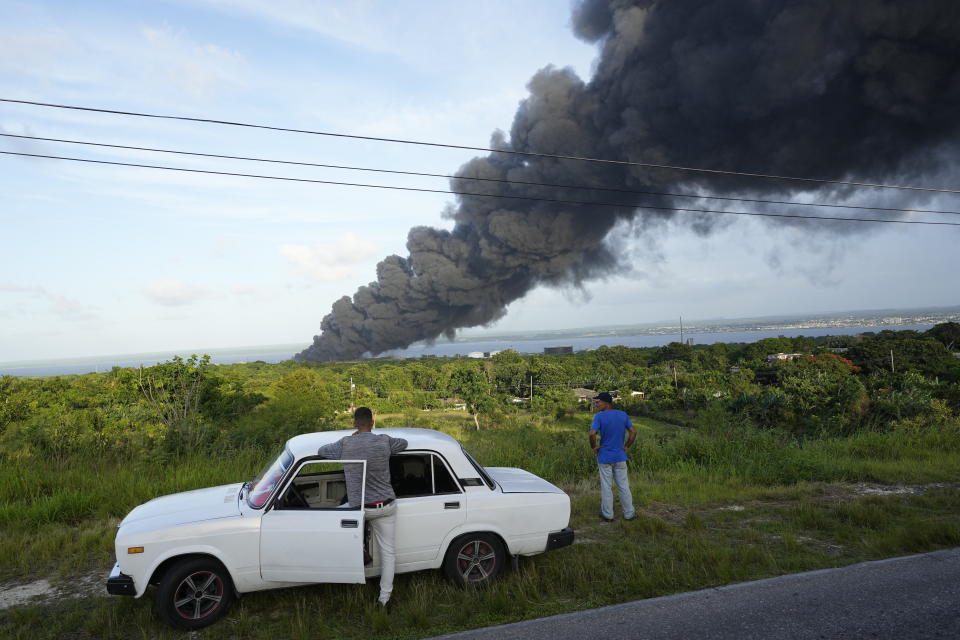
{"type": "Point", "coordinates": [479, 195]}
{"type": "Point", "coordinates": [484, 149]}
{"type": "Point", "coordinates": [496, 180]}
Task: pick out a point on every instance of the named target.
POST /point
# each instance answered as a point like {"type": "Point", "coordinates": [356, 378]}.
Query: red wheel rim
{"type": "Point", "coordinates": [476, 561]}
{"type": "Point", "coordinates": [198, 595]}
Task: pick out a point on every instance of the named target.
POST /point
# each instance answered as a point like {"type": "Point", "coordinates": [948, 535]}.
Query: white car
{"type": "Point", "coordinates": [291, 526]}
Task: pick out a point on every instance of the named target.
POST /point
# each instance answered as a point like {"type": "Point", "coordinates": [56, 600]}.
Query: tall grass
{"type": "Point", "coordinates": [63, 518]}
{"type": "Point", "coordinates": [794, 510]}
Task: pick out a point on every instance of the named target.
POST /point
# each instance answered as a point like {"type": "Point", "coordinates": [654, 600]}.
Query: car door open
{"type": "Point", "coordinates": [310, 533]}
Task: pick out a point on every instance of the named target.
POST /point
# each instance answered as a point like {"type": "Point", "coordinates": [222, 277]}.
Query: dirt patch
{"type": "Point", "coordinates": [90, 585]}
{"type": "Point", "coordinates": [20, 594]}
{"type": "Point", "coordinates": [826, 547]}
{"type": "Point", "coordinates": [866, 489]}
{"type": "Point", "coordinates": [670, 514]}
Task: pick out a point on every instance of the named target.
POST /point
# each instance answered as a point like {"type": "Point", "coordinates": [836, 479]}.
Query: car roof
{"type": "Point", "coordinates": [308, 443]}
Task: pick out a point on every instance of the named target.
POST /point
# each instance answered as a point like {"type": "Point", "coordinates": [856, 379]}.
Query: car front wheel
{"type": "Point", "coordinates": [194, 593]}
{"type": "Point", "coordinates": [474, 559]}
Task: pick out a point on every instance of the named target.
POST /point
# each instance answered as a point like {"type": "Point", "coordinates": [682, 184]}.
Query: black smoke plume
{"type": "Point", "coordinates": [841, 89]}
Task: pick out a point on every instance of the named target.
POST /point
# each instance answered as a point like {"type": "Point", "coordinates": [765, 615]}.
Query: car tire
{"type": "Point", "coordinates": [474, 560]}
{"type": "Point", "coordinates": [194, 593]}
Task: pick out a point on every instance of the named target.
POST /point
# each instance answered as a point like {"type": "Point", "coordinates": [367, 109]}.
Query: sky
{"type": "Point", "coordinates": [98, 259]}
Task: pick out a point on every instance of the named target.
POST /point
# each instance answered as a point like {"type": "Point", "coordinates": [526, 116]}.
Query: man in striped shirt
{"type": "Point", "coordinates": [380, 507]}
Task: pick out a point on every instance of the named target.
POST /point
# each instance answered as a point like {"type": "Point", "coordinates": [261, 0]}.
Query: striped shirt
{"type": "Point", "coordinates": [376, 449]}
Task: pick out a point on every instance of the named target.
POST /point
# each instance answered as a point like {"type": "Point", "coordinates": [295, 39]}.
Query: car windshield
{"type": "Point", "coordinates": [266, 482]}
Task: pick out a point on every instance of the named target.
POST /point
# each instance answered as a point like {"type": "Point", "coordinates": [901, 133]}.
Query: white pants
{"type": "Point", "coordinates": [610, 474]}
{"type": "Point", "coordinates": [383, 526]}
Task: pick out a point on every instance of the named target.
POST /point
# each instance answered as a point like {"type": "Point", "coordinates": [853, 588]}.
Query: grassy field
{"type": "Point", "coordinates": [715, 507]}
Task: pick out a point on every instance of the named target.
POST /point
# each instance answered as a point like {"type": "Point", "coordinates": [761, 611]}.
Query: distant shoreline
{"type": "Point", "coordinates": [883, 318]}
{"type": "Point", "coordinates": [272, 354]}
{"type": "Point", "coordinates": [868, 320]}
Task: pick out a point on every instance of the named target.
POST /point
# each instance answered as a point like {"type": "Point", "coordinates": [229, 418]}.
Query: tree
{"type": "Point", "coordinates": [424, 378]}
{"type": "Point", "coordinates": [557, 402]}
{"type": "Point", "coordinates": [15, 400]}
{"type": "Point", "coordinates": [948, 333]}
{"type": "Point", "coordinates": [510, 372]}
{"type": "Point", "coordinates": [174, 391]}
{"type": "Point", "coordinates": [471, 383]}
{"type": "Point", "coordinates": [307, 398]}
{"type": "Point", "coordinates": [394, 378]}
{"type": "Point", "coordinates": [173, 388]}
{"type": "Point", "coordinates": [675, 351]}
{"type": "Point", "coordinates": [904, 350]}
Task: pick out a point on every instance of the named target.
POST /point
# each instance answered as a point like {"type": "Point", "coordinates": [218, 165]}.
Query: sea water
{"type": "Point", "coordinates": [280, 353]}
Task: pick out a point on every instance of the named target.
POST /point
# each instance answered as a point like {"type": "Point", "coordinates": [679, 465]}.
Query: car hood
{"type": "Point", "coordinates": [519, 481]}
{"type": "Point", "coordinates": [189, 506]}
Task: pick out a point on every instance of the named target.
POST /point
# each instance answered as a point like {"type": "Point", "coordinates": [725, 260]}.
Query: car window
{"type": "Point", "coordinates": [318, 485]}
{"type": "Point", "coordinates": [443, 480]}
{"type": "Point", "coordinates": [420, 474]}
{"type": "Point", "coordinates": [266, 482]}
{"type": "Point", "coordinates": [470, 482]}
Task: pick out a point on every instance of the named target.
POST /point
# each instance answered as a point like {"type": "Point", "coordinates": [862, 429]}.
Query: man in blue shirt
{"type": "Point", "coordinates": [616, 435]}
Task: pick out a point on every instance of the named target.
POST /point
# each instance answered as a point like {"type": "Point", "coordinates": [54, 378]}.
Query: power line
{"type": "Point", "coordinates": [471, 194]}
{"type": "Point", "coordinates": [484, 149]}
{"type": "Point", "coordinates": [495, 180]}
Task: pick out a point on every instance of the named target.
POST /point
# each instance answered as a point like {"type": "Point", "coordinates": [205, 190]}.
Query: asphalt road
{"type": "Point", "coordinates": [909, 598]}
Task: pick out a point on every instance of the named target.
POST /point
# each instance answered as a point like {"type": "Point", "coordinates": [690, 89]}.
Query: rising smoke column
{"type": "Point", "coordinates": [824, 88]}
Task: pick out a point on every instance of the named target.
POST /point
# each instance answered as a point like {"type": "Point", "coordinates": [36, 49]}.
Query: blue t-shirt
{"type": "Point", "coordinates": [612, 425]}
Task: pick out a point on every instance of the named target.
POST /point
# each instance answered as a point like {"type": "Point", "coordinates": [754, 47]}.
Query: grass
{"type": "Point", "coordinates": [714, 508]}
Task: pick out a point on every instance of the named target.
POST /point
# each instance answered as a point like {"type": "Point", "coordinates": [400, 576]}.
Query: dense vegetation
{"type": "Point", "coordinates": [831, 387]}
{"type": "Point", "coordinates": [745, 467]}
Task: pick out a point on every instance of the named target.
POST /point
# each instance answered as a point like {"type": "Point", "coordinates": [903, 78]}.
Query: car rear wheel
{"type": "Point", "coordinates": [474, 559]}
{"type": "Point", "coordinates": [194, 593]}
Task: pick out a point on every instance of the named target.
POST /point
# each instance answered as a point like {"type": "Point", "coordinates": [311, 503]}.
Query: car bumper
{"type": "Point", "coordinates": [119, 584]}
{"type": "Point", "coordinates": [560, 539]}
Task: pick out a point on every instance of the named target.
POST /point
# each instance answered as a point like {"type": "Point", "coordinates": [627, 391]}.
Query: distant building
{"type": "Point", "coordinates": [482, 354]}
{"type": "Point", "coordinates": [555, 351]}
{"type": "Point", "coordinates": [776, 357]}
{"type": "Point", "coordinates": [584, 395]}
{"type": "Point", "coordinates": [638, 395]}
{"type": "Point", "coordinates": [457, 404]}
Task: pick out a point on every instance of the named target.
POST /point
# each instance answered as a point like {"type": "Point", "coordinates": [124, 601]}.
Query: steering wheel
{"type": "Point", "coordinates": [298, 499]}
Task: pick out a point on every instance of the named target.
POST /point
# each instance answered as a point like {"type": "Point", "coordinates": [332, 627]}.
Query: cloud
{"type": "Point", "coordinates": [174, 293]}
{"type": "Point", "coordinates": [351, 23]}
{"type": "Point", "coordinates": [330, 262]}
{"type": "Point", "coordinates": [252, 292]}
{"type": "Point", "coordinates": [199, 69]}
{"type": "Point", "coordinates": [61, 306]}
{"type": "Point", "coordinates": [6, 287]}
{"type": "Point", "coordinates": [150, 63]}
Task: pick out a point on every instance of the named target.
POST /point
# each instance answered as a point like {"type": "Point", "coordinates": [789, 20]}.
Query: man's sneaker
{"type": "Point", "coordinates": [633, 517]}
{"type": "Point", "coordinates": [604, 518]}
{"type": "Point", "coordinates": [386, 606]}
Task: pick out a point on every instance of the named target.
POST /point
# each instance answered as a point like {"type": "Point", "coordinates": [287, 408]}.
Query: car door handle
{"type": "Point", "coordinates": [348, 524]}
{"type": "Point", "coordinates": [451, 505]}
